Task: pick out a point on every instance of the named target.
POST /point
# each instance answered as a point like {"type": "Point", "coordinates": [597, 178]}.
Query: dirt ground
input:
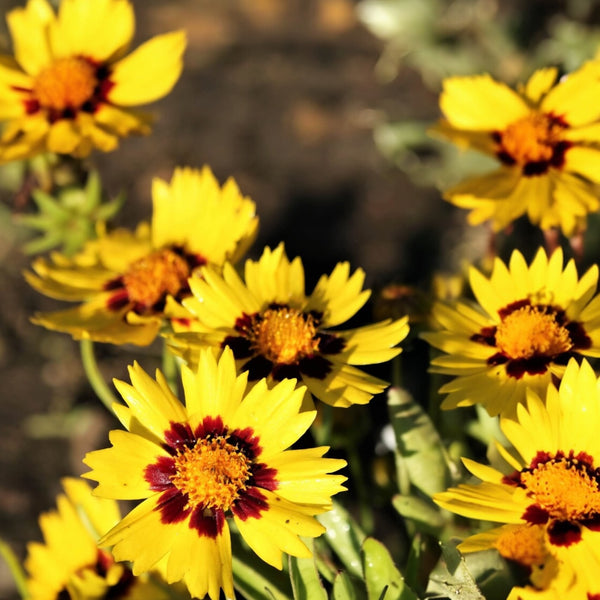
{"type": "Point", "coordinates": [282, 95]}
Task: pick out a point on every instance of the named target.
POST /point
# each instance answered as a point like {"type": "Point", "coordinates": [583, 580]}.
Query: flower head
{"type": "Point", "coordinates": [222, 455]}
{"type": "Point", "coordinates": [543, 576]}
{"type": "Point", "coordinates": [70, 87]}
{"type": "Point", "coordinates": [126, 279]}
{"type": "Point", "coordinates": [544, 135]}
{"type": "Point", "coordinates": [555, 483]}
{"type": "Point", "coordinates": [276, 331]}
{"type": "Point", "coordinates": [69, 564]}
{"type": "Point", "coordinates": [528, 323]}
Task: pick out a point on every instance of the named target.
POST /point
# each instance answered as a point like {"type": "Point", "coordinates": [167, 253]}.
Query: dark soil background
{"type": "Point", "coordinates": [280, 94]}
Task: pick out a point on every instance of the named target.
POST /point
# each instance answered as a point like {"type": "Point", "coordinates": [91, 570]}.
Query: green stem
{"type": "Point", "coordinates": [15, 568]}
{"type": "Point", "coordinates": [358, 477]}
{"type": "Point", "coordinates": [323, 431]}
{"type": "Point", "coordinates": [94, 376]}
{"type": "Point", "coordinates": [170, 369]}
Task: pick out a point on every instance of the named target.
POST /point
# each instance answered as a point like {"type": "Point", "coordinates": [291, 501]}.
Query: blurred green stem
{"type": "Point", "coordinates": [94, 376]}
{"type": "Point", "coordinates": [323, 431]}
{"type": "Point", "coordinates": [15, 568]}
{"type": "Point", "coordinates": [169, 368]}
{"type": "Point", "coordinates": [358, 478]}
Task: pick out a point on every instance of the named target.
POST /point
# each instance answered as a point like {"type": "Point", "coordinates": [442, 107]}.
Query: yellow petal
{"type": "Point", "coordinates": [574, 97]}
{"type": "Point", "coordinates": [480, 103]}
{"type": "Point", "coordinates": [28, 28]}
{"type": "Point", "coordinates": [540, 83]}
{"type": "Point", "coordinates": [584, 162]}
{"type": "Point", "coordinates": [149, 72]}
{"type": "Point", "coordinates": [97, 29]}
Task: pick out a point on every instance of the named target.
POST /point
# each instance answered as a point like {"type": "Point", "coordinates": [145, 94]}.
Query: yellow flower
{"type": "Point", "coordinates": [70, 87]}
{"type": "Point", "coordinates": [546, 138]}
{"type": "Point", "coordinates": [221, 455]}
{"type": "Point", "coordinates": [527, 546]}
{"type": "Point", "coordinates": [555, 484]}
{"type": "Point", "coordinates": [70, 565]}
{"type": "Point", "coordinates": [275, 330]}
{"type": "Point", "coordinates": [126, 279]}
{"type": "Point", "coordinates": [529, 322]}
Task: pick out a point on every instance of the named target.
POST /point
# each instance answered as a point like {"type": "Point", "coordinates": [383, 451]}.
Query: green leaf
{"type": "Point", "coordinates": [43, 243]}
{"type": "Point", "coordinates": [108, 210]}
{"type": "Point", "coordinates": [422, 512]}
{"type": "Point", "coordinates": [93, 192]}
{"type": "Point", "coordinates": [422, 559]}
{"type": "Point", "coordinates": [345, 537]}
{"type": "Point", "coordinates": [381, 575]}
{"type": "Point", "coordinates": [305, 579]}
{"type": "Point", "coordinates": [47, 204]}
{"type": "Point", "coordinates": [419, 449]}
{"type": "Point", "coordinates": [254, 578]}
{"type": "Point", "coordinates": [452, 579]}
{"type": "Point", "coordinates": [347, 588]}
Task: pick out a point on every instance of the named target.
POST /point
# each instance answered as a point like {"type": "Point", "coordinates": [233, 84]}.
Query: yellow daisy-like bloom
{"type": "Point", "coordinates": [221, 455]}
{"type": "Point", "coordinates": [70, 565]}
{"type": "Point", "coordinates": [276, 331]}
{"type": "Point", "coordinates": [527, 546]}
{"type": "Point", "coordinates": [127, 280]}
{"type": "Point", "coordinates": [70, 87]}
{"type": "Point", "coordinates": [555, 484]}
{"type": "Point", "coordinates": [546, 138]}
{"type": "Point", "coordinates": [528, 323]}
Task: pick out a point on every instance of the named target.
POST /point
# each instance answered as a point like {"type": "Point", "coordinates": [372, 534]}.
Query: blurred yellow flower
{"type": "Point", "coordinates": [223, 455]}
{"type": "Point", "coordinates": [276, 331]}
{"type": "Point", "coordinates": [545, 136]}
{"type": "Point", "coordinates": [127, 280]}
{"type": "Point", "coordinates": [70, 565]}
{"type": "Point", "coordinates": [70, 87]}
{"type": "Point", "coordinates": [528, 322]}
{"type": "Point", "coordinates": [552, 496]}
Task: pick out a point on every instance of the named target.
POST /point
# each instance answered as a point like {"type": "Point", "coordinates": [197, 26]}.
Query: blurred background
{"type": "Point", "coordinates": [319, 110]}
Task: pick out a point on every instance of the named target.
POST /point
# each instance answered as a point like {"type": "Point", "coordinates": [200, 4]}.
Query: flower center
{"type": "Point", "coordinates": [212, 473]}
{"type": "Point", "coordinates": [285, 335]}
{"type": "Point", "coordinates": [67, 83]}
{"type": "Point", "coordinates": [532, 331]}
{"type": "Point", "coordinates": [532, 139]}
{"type": "Point", "coordinates": [566, 488]}
{"type": "Point", "coordinates": [152, 277]}
{"type": "Point", "coordinates": [524, 544]}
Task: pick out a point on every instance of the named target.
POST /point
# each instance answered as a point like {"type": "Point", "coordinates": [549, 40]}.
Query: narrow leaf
{"type": "Point", "coordinates": [419, 448]}
{"type": "Point", "coordinates": [422, 512]}
{"type": "Point", "coordinates": [345, 538]}
{"type": "Point", "coordinates": [304, 576]}
{"type": "Point", "coordinates": [381, 575]}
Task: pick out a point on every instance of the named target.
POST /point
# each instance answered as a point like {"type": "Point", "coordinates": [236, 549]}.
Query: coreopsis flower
{"type": "Point", "coordinates": [71, 87]}
{"type": "Point", "coordinates": [223, 455]}
{"type": "Point", "coordinates": [276, 331]}
{"type": "Point", "coordinates": [70, 565]}
{"type": "Point", "coordinates": [529, 321]}
{"type": "Point", "coordinates": [542, 576]}
{"type": "Point", "coordinates": [545, 135]}
{"type": "Point", "coordinates": [552, 496]}
{"type": "Point", "coordinates": [125, 279]}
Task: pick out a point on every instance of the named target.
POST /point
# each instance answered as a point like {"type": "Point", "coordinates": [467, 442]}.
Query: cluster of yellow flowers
{"type": "Point", "coordinates": [519, 349]}
{"type": "Point", "coordinates": [255, 349]}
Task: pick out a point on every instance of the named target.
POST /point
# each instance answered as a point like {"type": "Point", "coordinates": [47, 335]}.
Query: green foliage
{"type": "Point", "coordinates": [69, 219]}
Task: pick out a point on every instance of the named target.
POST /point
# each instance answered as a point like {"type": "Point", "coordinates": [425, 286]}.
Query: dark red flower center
{"type": "Point", "coordinates": [535, 143]}
{"type": "Point", "coordinates": [210, 472]}
{"type": "Point", "coordinates": [565, 494]}
{"type": "Point", "coordinates": [283, 342]}
{"type": "Point", "coordinates": [531, 336]}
